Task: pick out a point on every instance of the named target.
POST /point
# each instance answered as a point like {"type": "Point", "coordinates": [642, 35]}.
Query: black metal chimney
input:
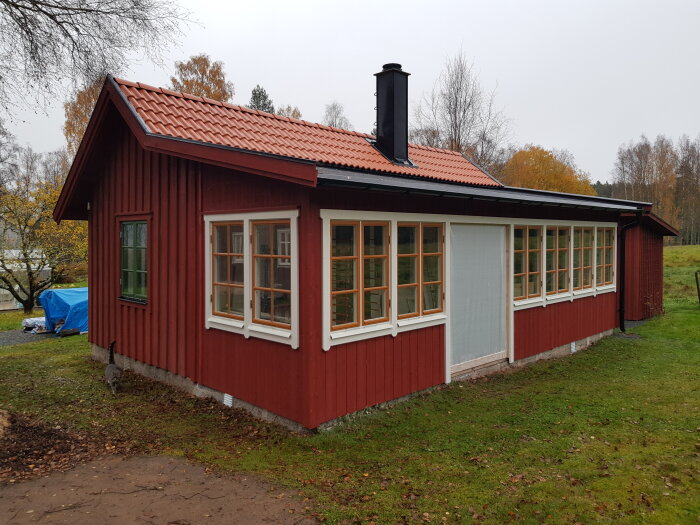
{"type": "Point", "coordinates": [392, 113]}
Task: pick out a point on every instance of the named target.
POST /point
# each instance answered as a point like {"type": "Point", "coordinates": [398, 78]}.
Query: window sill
{"type": "Point", "coordinates": [258, 331]}
{"type": "Point", "coordinates": [380, 330]}
{"type": "Point", "coordinates": [132, 301]}
{"type": "Point", "coordinates": [420, 322]}
{"type": "Point", "coordinates": [560, 298]}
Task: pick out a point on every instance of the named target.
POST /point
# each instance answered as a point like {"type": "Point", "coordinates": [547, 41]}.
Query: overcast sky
{"type": "Point", "coordinates": [585, 76]}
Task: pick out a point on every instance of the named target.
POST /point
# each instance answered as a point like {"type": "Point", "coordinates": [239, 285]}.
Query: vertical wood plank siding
{"type": "Point", "coordinates": [540, 329]}
{"type": "Point", "coordinates": [136, 183]}
{"type": "Point", "coordinates": [306, 385]}
{"type": "Point", "coordinates": [644, 273]}
{"type": "Point", "coordinates": [168, 332]}
{"type": "Point", "coordinates": [364, 373]}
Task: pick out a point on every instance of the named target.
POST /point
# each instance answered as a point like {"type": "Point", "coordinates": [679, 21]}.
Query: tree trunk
{"type": "Point", "coordinates": [28, 305]}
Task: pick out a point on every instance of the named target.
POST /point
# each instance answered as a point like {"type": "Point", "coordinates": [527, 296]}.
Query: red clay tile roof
{"type": "Point", "coordinates": [180, 115]}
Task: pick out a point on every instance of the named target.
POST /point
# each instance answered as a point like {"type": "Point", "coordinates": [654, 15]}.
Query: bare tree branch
{"type": "Point", "coordinates": [43, 43]}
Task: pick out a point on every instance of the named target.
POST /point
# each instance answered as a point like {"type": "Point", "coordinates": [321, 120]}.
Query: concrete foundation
{"type": "Point", "coordinates": [189, 386]}
{"type": "Point", "coordinates": [554, 353]}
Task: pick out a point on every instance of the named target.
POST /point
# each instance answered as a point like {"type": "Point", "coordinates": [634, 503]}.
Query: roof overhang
{"type": "Point", "coordinates": [371, 181]}
{"type": "Point", "coordinates": [281, 168]}
{"type": "Point", "coordinates": [654, 222]}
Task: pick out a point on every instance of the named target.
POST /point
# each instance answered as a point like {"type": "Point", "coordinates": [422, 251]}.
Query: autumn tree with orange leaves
{"type": "Point", "coordinates": [78, 111]}
{"type": "Point", "coordinates": [201, 77]}
{"type": "Point", "coordinates": [537, 168]}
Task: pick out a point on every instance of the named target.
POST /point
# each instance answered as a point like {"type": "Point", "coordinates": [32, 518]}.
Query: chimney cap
{"type": "Point", "coordinates": [392, 66]}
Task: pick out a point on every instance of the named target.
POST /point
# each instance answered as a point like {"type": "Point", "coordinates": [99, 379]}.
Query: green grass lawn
{"type": "Point", "coordinates": [611, 434]}
{"type": "Point", "coordinates": [12, 319]}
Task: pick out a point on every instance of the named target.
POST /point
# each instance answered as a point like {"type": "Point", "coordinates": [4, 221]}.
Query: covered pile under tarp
{"type": "Point", "coordinates": [67, 305]}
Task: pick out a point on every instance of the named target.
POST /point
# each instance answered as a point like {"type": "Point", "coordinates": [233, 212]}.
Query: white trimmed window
{"type": "Point", "coordinates": [252, 275]}
{"type": "Point", "coordinates": [382, 275]}
{"type": "Point", "coordinates": [575, 260]}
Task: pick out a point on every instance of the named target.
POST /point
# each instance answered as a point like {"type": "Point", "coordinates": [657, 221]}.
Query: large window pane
{"type": "Point", "coordinates": [374, 273]}
{"type": "Point", "coordinates": [263, 305]}
{"type": "Point", "coordinates": [518, 243]}
{"type": "Point", "coordinates": [408, 239]}
{"type": "Point", "coordinates": [236, 300]}
{"type": "Point", "coordinates": [563, 281]}
{"type": "Point", "coordinates": [533, 241]}
{"type": "Point", "coordinates": [407, 270]}
{"type": "Point", "coordinates": [221, 239]}
{"type": "Point", "coordinates": [344, 243]}
{"type": "Point", "coordinates": [221, 268]}
{"type": "Point", "coordinates": [375, 305]}
{"type": "Point", "coordinates": [221, 299]}
{"type": "Point", "coordinates": [262, 233]}
{"type": "Point", "coordinates": [431, 239]}
{"type": "Point", "coordinates": [408, 300]}
{"type": "Point", "coordinates": [518, 263]}
{"type": "Point", "coordinates": [551, 238]}
{"type": "Point", "coordinates": [282, 311]}
{"type": "Point", "coordinates": [344, 309]}
{"type": "Point", "coordinates": [343, 274]}
{"type": "Point", "coordinates": [432, 299]}
{"type": "Point", "coordinates": [519, 286]}
{"type": "Point", "coordinates": [432, 268]}
{"type": "Point", "coordinates": [374, 239]}
{"type": "Point", "coordinates": [262, 271]}
{"type": "Point", "coordinates": [281, 274]}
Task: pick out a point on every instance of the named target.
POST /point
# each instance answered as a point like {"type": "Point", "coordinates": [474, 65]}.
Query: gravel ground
{"type": "Point", "coordinates": [16, 337]}
{"type": "Point", "coordinates": [149, 490]}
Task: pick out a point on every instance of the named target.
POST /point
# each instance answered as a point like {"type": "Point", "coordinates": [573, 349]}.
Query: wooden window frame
{"type": "Point", "coordinates": [229, 255]}
{"type": "Point", "coordinates": [360, 257]}
{"type": "Point", "coordinates": [419, 268]}
{"type": "Point", "coordinates": [132, 221]}
{"type": "Point", "coordinates": [385, 287]}
{"type": "Point", "coordinates": [358, 285]}
{"type": "Point", "coordinates": [272, 290]}
{"type": "Point", "coordinates": [557, 250]}
{"type": "Point", "coordinates": [248, 327]}
{"type": "Point", "coordinates": [441, 254]}
{"type": "Point", "coordinates": [582, 267]}
{"type": "Point", "coordinates": [600, 267]}
{"type": "Point", "coordinates": [526, 262]}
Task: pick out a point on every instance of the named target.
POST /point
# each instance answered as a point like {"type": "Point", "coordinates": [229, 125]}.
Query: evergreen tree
{"type": "Point", "coordinates": [260, 100]}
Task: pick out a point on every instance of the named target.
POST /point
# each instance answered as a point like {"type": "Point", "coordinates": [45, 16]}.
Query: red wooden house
{"type": "Point", "coordinates": [306, 272]}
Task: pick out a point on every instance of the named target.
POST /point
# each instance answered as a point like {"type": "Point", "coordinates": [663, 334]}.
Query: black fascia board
{"type": "Point", "coordinates": [374, 181]}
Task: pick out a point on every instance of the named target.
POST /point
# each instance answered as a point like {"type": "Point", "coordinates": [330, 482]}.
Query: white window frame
{"type": "Point", "coordinates": [393, 326]}
{"type": "Point", "coordinates": [543, 299]}
{"type": "Point", "coordinates": [247, 327]}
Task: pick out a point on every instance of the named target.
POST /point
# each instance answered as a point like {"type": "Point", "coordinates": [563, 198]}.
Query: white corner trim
{"type": "Point", "coordinates": [247, 327]}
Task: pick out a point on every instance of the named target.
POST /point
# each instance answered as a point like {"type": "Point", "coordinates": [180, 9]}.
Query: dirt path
{"type": "Point", "coordinates": [149, 490]}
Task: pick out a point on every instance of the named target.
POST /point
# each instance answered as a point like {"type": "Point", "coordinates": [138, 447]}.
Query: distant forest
{"type": "Point", "coordinates": [665, 174]}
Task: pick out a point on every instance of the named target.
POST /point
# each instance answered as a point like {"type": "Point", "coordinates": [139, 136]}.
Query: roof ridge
{"type": "Point", "coordinates": [236, 107]}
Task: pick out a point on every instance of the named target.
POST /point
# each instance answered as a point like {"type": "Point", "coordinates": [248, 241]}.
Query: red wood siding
{"type": "Point", "coordinates": [168, 332]}
{"type": "Point", "coordinates": [643, 273]}
{"type": "Point", "coordinates": [357, 375]}
{"type": "Point", "coordinates": [306, 385]}
{"type": "Point", "coordinates": [133, 184]}
{"type": "Point", "coordinates": [540, 329]}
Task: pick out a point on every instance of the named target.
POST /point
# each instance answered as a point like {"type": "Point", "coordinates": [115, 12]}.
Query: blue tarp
{"type": "Point", "coordinates": [70, 304]}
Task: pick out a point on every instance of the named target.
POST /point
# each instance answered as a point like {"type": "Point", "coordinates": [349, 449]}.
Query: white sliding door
{"type": "Point", "coordinates": [478, 276]}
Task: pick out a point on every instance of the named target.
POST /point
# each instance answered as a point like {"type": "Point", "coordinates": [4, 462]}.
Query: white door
{"type": "Point", "coordinates": [477, 294]}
